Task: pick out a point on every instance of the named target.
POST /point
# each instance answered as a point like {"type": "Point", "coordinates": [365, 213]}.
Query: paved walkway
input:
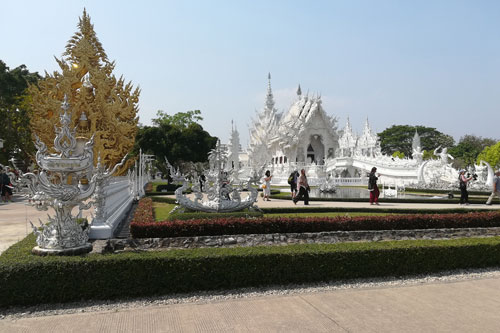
{"type": "Point", "coordinates": [465, 306]}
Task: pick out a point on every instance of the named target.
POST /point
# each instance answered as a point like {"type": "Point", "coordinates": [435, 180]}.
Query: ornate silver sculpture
{"type": "Point", "coordinates": [58, 185]}
{"type": "Point", "coordinates": [328, 186]}
{"type": "Point", "coordinates": [222, 191]}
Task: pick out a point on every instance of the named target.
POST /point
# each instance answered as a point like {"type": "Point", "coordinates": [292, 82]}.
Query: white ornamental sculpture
{"type": "Point", "coordinates": [222, 195]}
{"type": "Point", "coordinates": [58, 185]}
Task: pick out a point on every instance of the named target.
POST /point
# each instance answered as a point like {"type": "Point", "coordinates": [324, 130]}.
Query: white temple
{"type": "Point", "coordinates": [306, 137]}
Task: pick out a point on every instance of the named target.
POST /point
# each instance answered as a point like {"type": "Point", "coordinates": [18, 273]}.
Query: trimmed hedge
{"type": "Point", "coordinates": [143, 212]}
{"type": "Point", "coordinates": [167, 187]}
{"type": "Point", "coordinates": [164, 199]}
{"type": "Point", "coordinates": [149, 194]}
{"type": "Point", "coordinates": [306, 210]}
{"type": "Point", "coordinates": [269, 225]}
{"type": "Point", "coordinates": [26, 279]}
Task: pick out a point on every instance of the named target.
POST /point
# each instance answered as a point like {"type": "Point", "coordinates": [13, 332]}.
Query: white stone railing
{"type": "Point", "coordinates": [363, 181]}
{"type": "Point", "coordinates": [116, 199]}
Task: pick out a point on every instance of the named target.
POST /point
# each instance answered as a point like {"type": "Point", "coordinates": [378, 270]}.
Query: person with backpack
{"type": "Point", "coordinates": [292, 181]}
{"type": "Point", "coordinates": [303, 187]}
{"type": "Point", "coordinates": [463, 180]}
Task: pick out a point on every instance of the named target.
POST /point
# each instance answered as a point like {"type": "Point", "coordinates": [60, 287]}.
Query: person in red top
{"type": "Point", "coordinates": [373, 188]}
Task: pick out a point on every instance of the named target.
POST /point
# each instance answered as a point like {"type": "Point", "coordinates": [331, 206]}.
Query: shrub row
{"type": "Point", "coordinates": [26, 279]}
{"type": "Point", "coordinates": [268, 225]}
{"type": "Point", "coordinates": [144, 212]}
{"type": "Point", "coordinates": [167, 187]}
{"type": "Point", "coordinates": [149, 194]}
{"type": "Point", "coordinates": [164, 199]}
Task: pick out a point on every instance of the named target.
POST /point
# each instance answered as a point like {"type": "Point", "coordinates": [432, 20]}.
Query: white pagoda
{"type": "Point", "coordinates": [305, 136]}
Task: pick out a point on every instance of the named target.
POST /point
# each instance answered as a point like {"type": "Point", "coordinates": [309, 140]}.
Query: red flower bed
{"type": "Point", "coordinates": [143, 228]}
{"type": "Point", "coordinates": [144, 212]}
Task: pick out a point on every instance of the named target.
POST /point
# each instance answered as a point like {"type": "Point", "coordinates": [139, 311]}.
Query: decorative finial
{"type": "Point", "coordinates": [299, 91]}
{"type": "Point", "coordinates": [269, 97]}
{"type": "Point", "coordinates": [65, 103]}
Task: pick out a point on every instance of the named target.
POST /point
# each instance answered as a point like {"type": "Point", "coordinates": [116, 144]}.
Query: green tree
{"type": "Point", "coordinates": [491, 154]}
{"type": "Point", "coordinates": [15, 113]}
{"type": "Point", "coordinates": [178, 137]}
{"type": "Point", "coordinates": [468, 149]}
{"type": "Point", "coordinates": [179, 120]}
{"type": "Point", "coordinates": [398, 154]}
{"type": "Point", "coordinates": [400, 138]}
{"type": "Point", "coordinates": [428, 155]}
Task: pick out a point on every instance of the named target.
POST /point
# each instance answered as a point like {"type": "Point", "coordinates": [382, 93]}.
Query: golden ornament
{"type": "Point", "coordinates": [100, 103]}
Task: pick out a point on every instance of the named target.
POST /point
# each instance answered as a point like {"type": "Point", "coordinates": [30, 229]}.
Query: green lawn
{"type": "Point", "coordinates": [330, 214]}
{"type": "Point", "coordinates": [162, 210]}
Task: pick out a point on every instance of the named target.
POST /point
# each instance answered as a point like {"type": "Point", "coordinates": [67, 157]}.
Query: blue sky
{"type": "Point", "coordinates": [431, 63]}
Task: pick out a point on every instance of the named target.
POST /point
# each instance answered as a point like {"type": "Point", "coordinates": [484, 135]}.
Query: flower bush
{"type": "Point", "coordinates": [144, 212]}
{"type": "Point", "coordinates": [145, 228]}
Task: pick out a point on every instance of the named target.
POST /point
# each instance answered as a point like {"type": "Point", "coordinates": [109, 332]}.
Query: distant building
{"type": "Point", "coordinates": [305, 134]}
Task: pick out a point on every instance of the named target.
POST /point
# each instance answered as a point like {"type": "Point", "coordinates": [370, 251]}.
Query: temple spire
{"type": "Point", "coordinates": [269, 97]}
{"type": "Point", "coordinates": [299, 91]}
{"type": "Point", "coordinates": [416, 141]}
{"type": "Point", "coordinates": [367, 124]}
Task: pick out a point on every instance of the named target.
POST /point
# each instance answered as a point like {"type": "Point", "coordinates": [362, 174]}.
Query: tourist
{"type": "Point", "coordinates": [6, 186]}
{"type": "Point", "coordinates": [372, 187]}
{"type": "Point", "coordinates": [267, 185]}
{"type": "Point", "coordinates": [201, 180]}
{"type": "Point", "coordinates": [292, 180]}
{"type": "Point", "coordinates": [303, 188]}
{"type": "Point", "coordinates": [463, 180]}
{"type": "Point", "coordinates": [496, 187]}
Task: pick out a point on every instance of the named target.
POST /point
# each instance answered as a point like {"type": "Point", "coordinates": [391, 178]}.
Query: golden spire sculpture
{"type": "Point", "coordinates": [101, 104]}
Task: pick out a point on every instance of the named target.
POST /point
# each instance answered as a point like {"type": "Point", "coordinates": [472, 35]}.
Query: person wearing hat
{"type": "Point", "coordinates": [372, 187]}
{"type": "Point", "coordinates": [496, 187]}
{"type": "Point", "coordinates": [463, 180]}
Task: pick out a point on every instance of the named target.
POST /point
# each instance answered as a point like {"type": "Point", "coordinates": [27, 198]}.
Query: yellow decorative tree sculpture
{"type": "Point", "coordinates": [100, 103]}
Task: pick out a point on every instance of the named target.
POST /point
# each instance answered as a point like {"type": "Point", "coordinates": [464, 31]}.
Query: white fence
{"type": "Point", "coordinates": [114, 200]}
{"type": "Point", "coordinates": [363, 181]}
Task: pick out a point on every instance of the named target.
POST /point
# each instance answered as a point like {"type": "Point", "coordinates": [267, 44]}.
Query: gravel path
{"type": "Point", "coordinates": [220, 296]}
